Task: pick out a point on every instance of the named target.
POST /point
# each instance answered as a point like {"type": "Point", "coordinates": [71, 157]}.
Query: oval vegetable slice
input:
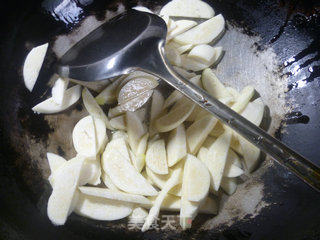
{"type": "Point", "coordinates": [114, 195]}
{"type": "Point", "coordinates": [135, 130]}
{"type": "Point", "coordinates": [199, 131]}
{"type": "Point", "coordinates": [156, 157]}
{"type": "Point", "coordinates": [64, 188]}
{"type": "Point", "coordinates": [89, 136]}
{"type": "Point", "coordinates": [176, 145]}
{"type": "Point", "coordinates": [94, 109]}
{"type": "Point", "coordinates": [48, 106]}
{"type": "Point", "coordinates": [177, 115]}
{"type": "Point", "coordinates": [122, 173]}
{"type": "Point", "coordinates": [58, 90]}
{"type": "Point", "coordinates": [33, 64]}
{"type": "Point", "coordinates": [197, 179]}
{"type": "Point", "coordinates": [188, 8]}
{"type": "Point", "coordinates": [102, 209]}
{"type": "Point", "coordinates": [203, 33]}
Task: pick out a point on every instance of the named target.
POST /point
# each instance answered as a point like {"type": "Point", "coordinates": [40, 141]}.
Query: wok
{"type": "Point", "coordinates": [271, 44]}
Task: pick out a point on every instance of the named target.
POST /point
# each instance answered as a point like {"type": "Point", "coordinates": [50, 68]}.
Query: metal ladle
{"type": "Point", "coordinates": [135, 41]}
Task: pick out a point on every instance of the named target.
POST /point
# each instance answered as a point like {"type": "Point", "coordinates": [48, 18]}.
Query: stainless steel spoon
{"type": "Point", "coordinates": [135, 41]}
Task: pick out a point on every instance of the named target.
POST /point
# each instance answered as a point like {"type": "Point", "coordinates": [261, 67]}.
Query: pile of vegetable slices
{"type": "Point", "coordinates": [161, 153]}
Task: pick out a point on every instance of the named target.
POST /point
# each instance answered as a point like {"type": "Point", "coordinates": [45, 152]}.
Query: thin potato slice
{"type": "Point", "coordinates": [102, 209]}
{"type": "Point", "coordinates": [156, 110]}
{"type": "Point", "coordinates": [198, 179]}
{"type": "Point", "coordinates": [33, 64]}
{"type": "Point", "coordinates": [177, 145]}
{"type": "Point", "coordinates": [232, 168]}
{"type": "Point", "coordinates": [156, 157]}
{"type": "Point", "coordinates": [229, 185]}
{"type": "Point", "coordinates": [213, 86]}
{"type": "Point", "coordinates": [154, 211]}
{"type": "Point", "coordinates": [122, 173]}
{"type": "Point", "coordinates": [64, 188]}
{"type": "Point", "coordinates": [181, 26]}
{"type": "Point", "coordinates": [118, 122]}
{"type": "Point", "coordinates": [48, 106]}
{"type": "Point", "coordinates": [242, 101]}
{"type": "Point", "coordinates": [175, 116]}
{"type": "Point", "coordinates": [199, 131]}
{"type": "Point", "coordinates": [203, 33]}
{"type": "Point", "coordinates": [108, 95]}
{"type": "Point", "coordinates": [58, 90]}
{"type": "Point", "coordinates": [217, 157]}
{"type": "Point", "coordinates": [135, 130]}
{"type": "Point", "coordinates": [114, 195]}
{"type": "Point", "coordinates": [188, 8]}
{"type": "Point", "coordinates": [93, 108]}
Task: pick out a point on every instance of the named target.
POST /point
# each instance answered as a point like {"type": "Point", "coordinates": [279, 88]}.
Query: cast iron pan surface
{"type": "Point", "coordinates": [292, 28]}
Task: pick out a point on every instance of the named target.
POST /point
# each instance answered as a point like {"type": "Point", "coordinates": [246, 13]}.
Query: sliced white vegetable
{"type": "Point", "coordinates": [156, 157]}
{"type": "Point", "coordinates": [254, 113]}
{"type": "Point", "coordinates": [58, 90]}
{"type": "Point", "coordinates": [181, 26]}
{"type": "Point", "coordinates": [90, 172]}
{"type": "Point", "coordinates": [242, 101]}
{"type": "Point", "coordinates": [135, 88]}
{"type": "Point", "coordinates": [160, 181]}
{"type": "Point", "coordinates": [231, 169]}
{"type": "Point", "coordinates": [135, 130]}
{"type": "Point", "coordinates": [229, 185]}
{"type": "Point", "coordinates": [173, 97]}
{"type": "Point", "coordinates": [94, 109]}
{"type": "Point", "coordinates": [202, 52]}
{"type": "Point", "coordinates": [84, 137]}
{"type": "Point", "coordinates": [235, 145]}
{"type": "Point", "coordinates": [198, 179]}
{"type": "Point", "coordinates": [102, 209]}
{"type": "Point", "coordinates": [33, 64]}
{"type": "Point", "coordinates": [48, 106]}
{"type": "Point", "coordinates": [108, 95]}
{"type": "Point", "coordinates": [188, 209]}
{"type": "Point", "coordinates": [217, 157]}
{"type": "Point", "coordinates": [140, 157]}
{"type": "Point", "coordinates": [171, 25]}
{"type": "Point", "coordinates": [173, 203]}
{"type": "Point", "coordinates": [142, 9]}
{"type": "Point", "coordinates": [156, 109]}
{"type": "Point", "coordinates": [55, 161]}
{"type": "Point", "coordinates": [114, 195]}
{"type": "Point", "coordinates": [176, 145]}
{"type": "Point", "coordinates": [173, 57]}
{"type": "Point", "coordinates": [64, 187]}
{"type": "Point", "coordinates": [172, 181]}
{"type": "Point", "coordinates": [118, 122]}
{"type": "Point", "coordinates": [122, 173]}
{"type": "Point", "coordinates": [138, 215]}
{"type": "Point", "coordinates": [120, 134]}
{"type": "Point", "coordinates": [142, 114]}
{"type": "Point", "coordinates": [235, 94]}
{"type": "Point", "coordinates": [89, 136]}
{"type": "Point", "coordinates": [184, 48]}
{"type": "Point", "coordinates": [184, 73]}
{"type": "Point", "coordinates": [177, 115]}
{"type": "Point", "coordinates": [250, 154]}
{"type": "Point", "coordinates": [188, 8]}
{"type": "Point", "coordinates": [192, 64]}
{"type": "Point", "coordinates": [203, 33]}
{"type": "Point", "coordinates": [213, 86]}
{"type": "Point", "coordinates": [199, 131]}
{"type": "Point", "coordinates": [108, 182]}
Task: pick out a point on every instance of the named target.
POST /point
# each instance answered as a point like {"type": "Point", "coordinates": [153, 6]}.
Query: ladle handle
{"type": "Point", "coordinates": [300, 166]}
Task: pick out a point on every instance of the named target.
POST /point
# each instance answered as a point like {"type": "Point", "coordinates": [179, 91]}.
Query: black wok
{"type": "Point", "coordinates": [286, 208]}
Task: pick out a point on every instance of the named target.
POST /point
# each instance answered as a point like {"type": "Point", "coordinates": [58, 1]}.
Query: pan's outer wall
{"type": "Point", "coordinates": [295, 211]}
